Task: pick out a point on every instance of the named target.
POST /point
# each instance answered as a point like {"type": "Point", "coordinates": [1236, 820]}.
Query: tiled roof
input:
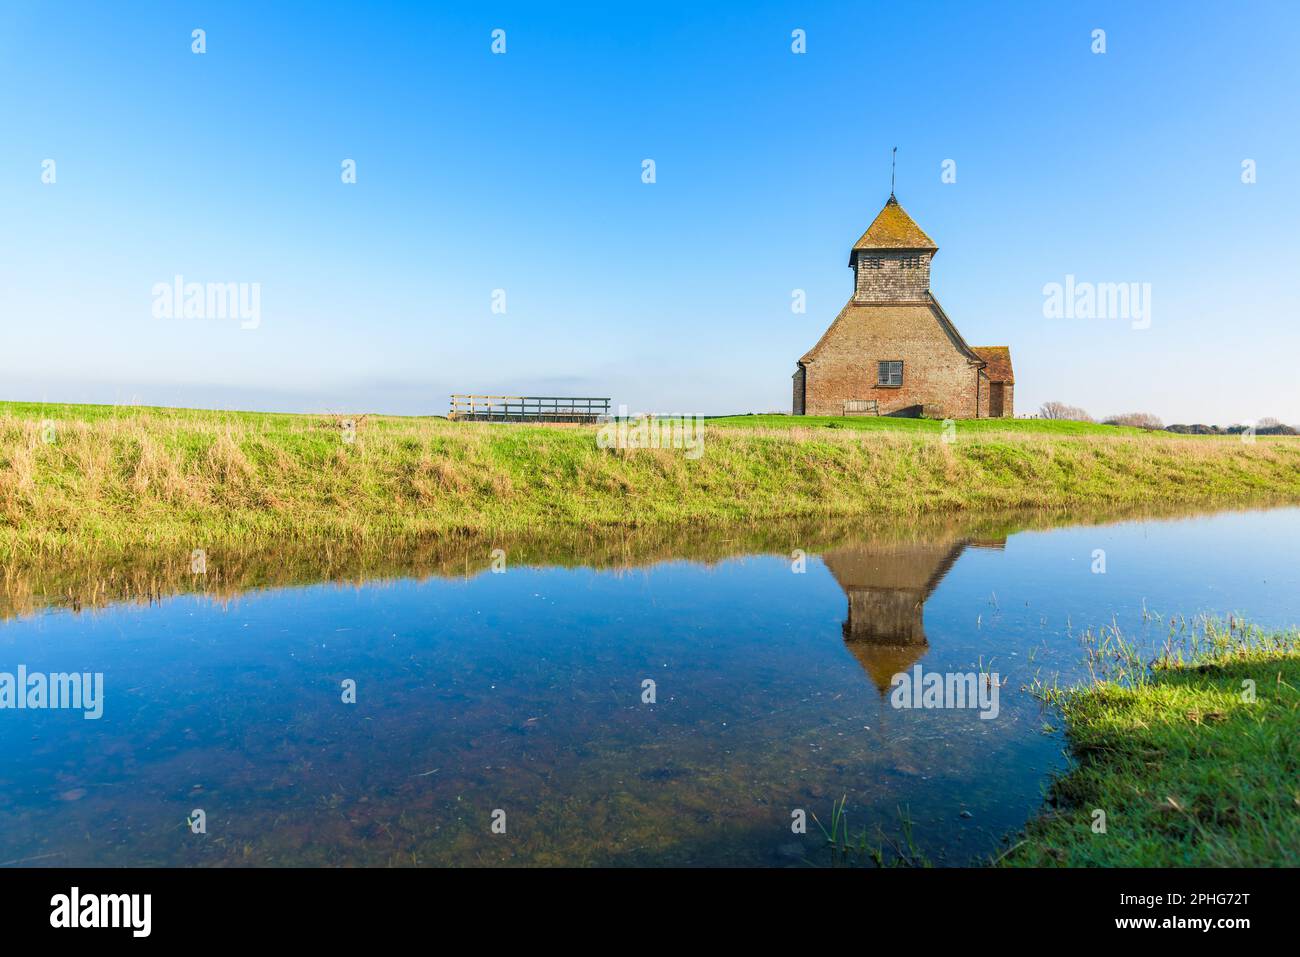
{"type": "Point", "coordinates": [894, 229]}
{"type": "Point", "coordinates": [999, 363]}
{"type": "Point", "coordinates": [894, 312]}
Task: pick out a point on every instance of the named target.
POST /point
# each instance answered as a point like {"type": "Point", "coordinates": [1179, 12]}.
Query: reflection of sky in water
{"type": "Point", "coordinates": [522, 691]}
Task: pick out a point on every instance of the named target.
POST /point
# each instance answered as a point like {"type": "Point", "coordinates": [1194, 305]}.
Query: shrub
{"type": "Point", "coordinates": [1136, 420]}
{"type": "Point", "coordinates": [1271, 426]}
{"type": "Point", "coordinates": [1059, 410]}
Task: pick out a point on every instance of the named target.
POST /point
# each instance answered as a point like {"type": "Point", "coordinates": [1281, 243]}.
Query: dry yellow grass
{"type": "Point", "coordinates": [76, 479]}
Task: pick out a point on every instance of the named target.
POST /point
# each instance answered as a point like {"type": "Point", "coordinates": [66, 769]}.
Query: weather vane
{"type": "Point", "coordinates": [893, 162]}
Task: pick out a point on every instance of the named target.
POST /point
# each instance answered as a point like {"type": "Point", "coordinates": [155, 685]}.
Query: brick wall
{"type": "Point", "coordinates": [798, 391]}
{"type": "Point", "coordinates": [935, 372]}
{"type": "Point", "coordinates": [986, 399]}
{"type": "Point", "coordinates": [892, 276]}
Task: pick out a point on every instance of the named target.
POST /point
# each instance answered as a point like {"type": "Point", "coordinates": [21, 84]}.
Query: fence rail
{"type": "Point", "coordinates": [527, 408]}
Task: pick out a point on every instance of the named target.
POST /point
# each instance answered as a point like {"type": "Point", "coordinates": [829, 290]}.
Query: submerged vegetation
{"type": "Point", "coordinates": [1191, 761]}
{"type": "Point", "coordinates": [879, 848]}
{"type": "Point", "coordinates": [104, 479]}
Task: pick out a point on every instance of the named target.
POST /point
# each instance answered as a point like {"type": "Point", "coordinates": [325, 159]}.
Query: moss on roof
{"type": "Point", "coordinates": [894, 229]}
{"type": "Point", "coordinates": [878, 312]}
{"type": "Point", "coordinates": [999, 363]}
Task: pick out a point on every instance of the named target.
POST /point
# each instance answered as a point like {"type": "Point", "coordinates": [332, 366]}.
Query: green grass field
{"type": "Point", "coordinates": [100, 478]}
{"type": "Point", "coordinates": [1195, 763]}
{"type": "Point", "coordinates": [884, 423]}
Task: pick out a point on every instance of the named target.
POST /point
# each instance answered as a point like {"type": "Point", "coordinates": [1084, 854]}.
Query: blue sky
{"type": "Point", "coordinates": [522, 172]}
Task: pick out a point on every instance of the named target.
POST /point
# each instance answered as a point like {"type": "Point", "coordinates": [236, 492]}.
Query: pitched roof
{"type": "Point", "coordinates": [893, 229]}
{"type": "Point", "coordinates": [855, 311]}
{"type": "Point", "coordinates": [999, 363]}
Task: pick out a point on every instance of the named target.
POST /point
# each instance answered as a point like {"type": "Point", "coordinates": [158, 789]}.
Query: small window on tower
{"type": "Point", "coordinates": [911, 262]}
{"type": "Point", "coordinates": [890, 373]}
{"type": "Point", "coordinates": [871, 262]}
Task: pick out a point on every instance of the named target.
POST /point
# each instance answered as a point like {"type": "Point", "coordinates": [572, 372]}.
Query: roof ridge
{"type": "Point", "coordinates": [952, 326]}
{"type": "Point", "coordinates": [893, 228]}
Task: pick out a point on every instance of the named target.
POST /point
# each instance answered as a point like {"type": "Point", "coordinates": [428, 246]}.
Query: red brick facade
{"type": "Point", "coordinates": [894, 318]}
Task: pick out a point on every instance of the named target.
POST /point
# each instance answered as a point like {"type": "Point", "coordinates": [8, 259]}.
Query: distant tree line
{"type": "Point", "coordinates": [1145, 420]}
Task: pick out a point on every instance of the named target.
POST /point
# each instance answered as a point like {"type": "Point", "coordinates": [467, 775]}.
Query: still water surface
{"type": "Point", "coordinates": [523, 692]}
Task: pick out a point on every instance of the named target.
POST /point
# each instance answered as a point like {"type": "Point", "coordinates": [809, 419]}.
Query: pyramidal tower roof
{"type": "Point", "coordinates": [893, 229]}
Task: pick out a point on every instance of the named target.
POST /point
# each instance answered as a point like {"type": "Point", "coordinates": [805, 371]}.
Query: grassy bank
{"type": "Point", "coordinates": [1189, 770]}
{"type": "Point", "coordinates": [78, 479]}
{"type": "Point", "coordinates": [885, 423]}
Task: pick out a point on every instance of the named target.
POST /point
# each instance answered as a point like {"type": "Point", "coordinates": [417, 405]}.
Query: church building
{"type": "Point", "coordinates": [892, 350]}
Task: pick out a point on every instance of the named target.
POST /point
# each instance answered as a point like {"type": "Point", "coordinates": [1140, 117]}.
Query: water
{"type": "Point", "coordinates": [523, 692]}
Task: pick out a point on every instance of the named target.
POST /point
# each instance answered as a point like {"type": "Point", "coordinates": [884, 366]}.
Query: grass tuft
{"type": "Point", "coordinates": [1194, 759]}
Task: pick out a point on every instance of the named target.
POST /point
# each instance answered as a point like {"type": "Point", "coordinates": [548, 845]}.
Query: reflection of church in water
{"type": "Point", "coordinates": [888, 585]}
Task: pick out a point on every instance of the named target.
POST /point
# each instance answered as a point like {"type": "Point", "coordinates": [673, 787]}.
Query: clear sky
{"type": "Point", "coordinates": [523, 172]}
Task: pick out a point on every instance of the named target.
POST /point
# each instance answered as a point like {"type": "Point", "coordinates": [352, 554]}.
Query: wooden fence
{"type": "Point", "coordinates": [527, 408]}
{"type": "Point", "coordinates": [861, 407]}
